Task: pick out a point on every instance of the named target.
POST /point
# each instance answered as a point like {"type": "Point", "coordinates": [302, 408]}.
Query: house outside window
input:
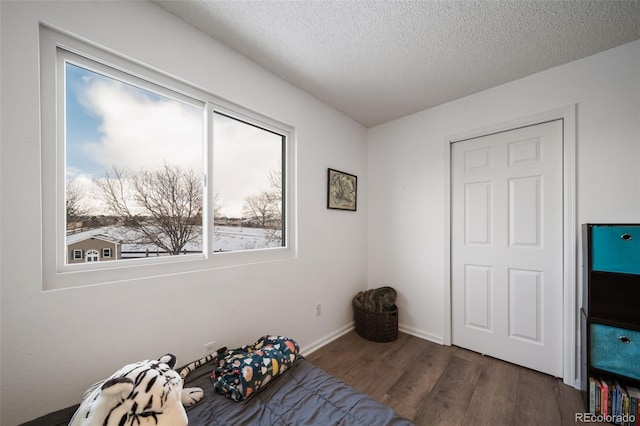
{"type": "Point", "coordinates": [102, 247]}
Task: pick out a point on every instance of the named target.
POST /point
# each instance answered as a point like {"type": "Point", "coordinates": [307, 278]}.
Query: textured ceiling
{"type": "Point", "coordinates": [379, 60]}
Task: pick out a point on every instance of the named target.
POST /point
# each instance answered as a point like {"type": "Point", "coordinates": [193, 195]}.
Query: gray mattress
{"type": "Point", "coordinates": [303, 395]}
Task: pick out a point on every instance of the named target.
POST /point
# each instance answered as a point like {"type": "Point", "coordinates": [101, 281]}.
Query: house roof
{"type": "Point", "coordinates": [379, 60]}
{"type": "Point", "coordinates": [82, 236]}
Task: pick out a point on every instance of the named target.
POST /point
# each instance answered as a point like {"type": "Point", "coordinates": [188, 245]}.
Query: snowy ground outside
{"type": "Point", "coordinates": [226, 238]}
{"type": "Point", "coordinates": [233, 238]}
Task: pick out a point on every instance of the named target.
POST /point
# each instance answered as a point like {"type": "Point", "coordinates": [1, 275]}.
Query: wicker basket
{"type": "Point", "coordinates": [376, 326]}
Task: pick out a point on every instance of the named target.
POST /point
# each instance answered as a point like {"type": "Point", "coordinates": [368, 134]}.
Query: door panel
{"type": "Point", "coordinates": [525, 304]}
{"type": "Point", "coordinates": [506, 245]}
{"type": "Point", "coordinates": [477, 287]}
{"type": "Point", "coordinates": [524, 211]}
{"type": "Point", "coordinates": [477, 213]}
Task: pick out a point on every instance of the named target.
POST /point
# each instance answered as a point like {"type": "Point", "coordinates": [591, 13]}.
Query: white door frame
{"type": "Point", "coordinates": [569, 310]}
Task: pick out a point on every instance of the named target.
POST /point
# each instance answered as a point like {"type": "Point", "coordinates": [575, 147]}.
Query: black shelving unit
{"type": "Point", "coordinates": [611, 305]}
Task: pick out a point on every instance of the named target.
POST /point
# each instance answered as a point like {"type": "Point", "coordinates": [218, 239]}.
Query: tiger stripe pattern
{"type": "Point", "coordinates": [145, 393]}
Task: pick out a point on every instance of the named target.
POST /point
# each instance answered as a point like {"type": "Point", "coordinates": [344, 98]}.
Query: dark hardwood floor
{"type": "Point", "coordinates": [431, 384]}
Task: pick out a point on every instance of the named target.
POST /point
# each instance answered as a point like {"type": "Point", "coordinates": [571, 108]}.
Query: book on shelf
{"type": "Point", "coordinates": [634, 398]}
{"type": "Point", "coordinates": [605, 398]}
{"type": "Point", "coordinates": [615, 401]}
{"type": "Point", "coordinates": [592, 395]}
{"type": "Point", "coordinates": [617, 395]}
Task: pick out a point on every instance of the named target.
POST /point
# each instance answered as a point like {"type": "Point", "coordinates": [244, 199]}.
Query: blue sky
{"type": "Point", "coordinates": [109, 123]}
{"type": "Point", "coordinates": [82, 125]}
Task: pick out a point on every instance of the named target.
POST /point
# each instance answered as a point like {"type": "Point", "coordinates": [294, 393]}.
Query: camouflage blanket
{"type": "Point", "coordinates": [376, 300]}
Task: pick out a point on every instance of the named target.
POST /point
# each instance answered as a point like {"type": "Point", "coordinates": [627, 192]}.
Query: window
{"type": "Point", "coordinates": [178, 179]}
{"type": "Point", "coordinates": [247, 179]}
{"type": "Point", "coordinates": [134, 160]}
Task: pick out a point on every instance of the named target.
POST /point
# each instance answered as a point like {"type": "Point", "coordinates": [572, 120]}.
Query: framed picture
{"type": "Point", "coordinates": [342, 190]}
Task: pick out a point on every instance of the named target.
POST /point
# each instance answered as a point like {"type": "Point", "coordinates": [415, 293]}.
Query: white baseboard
{"type": "Point", "coordinates": [421, 334]}
{"type": "Point", "coordinates": [325, 340]}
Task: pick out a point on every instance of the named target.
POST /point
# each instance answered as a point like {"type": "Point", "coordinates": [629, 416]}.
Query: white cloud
{"type": "Point", "coordinates": [142, 131]}
{"type": "Point", "coordinates": [91, 198]}
{"type": "Point", "coordinates": [244, 156]}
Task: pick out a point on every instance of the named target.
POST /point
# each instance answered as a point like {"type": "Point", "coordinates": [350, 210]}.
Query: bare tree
{"type": "Point", "coordinates": [161, 207]}
{"type": "Point", "coordinates": [74, 208]}
{"type": "Point", "coordinates": [260, 208]}
{"type": "Point", "coordinates": [275, 178]}
{"type": "Point", "coordinates": [217, 204]}
{"type": "Point", "coordinates": [265, 208]}
{"type": "Point", "coordinates": [275, 192]}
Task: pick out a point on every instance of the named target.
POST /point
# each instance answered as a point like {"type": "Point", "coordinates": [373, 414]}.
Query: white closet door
{"type": "Point", "coordinates": [506, 245]}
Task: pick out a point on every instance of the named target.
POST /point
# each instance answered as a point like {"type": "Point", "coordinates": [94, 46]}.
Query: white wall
{"type": "Point", "coordinates": [54, 344]}
{"type": "Point", "coordinates": [407, 180]}
{"type": "Point", "coordinates": [57, 343]}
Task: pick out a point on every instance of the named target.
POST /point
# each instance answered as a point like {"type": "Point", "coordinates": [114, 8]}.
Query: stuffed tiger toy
{"type": "Point", "coordinates": [147, 392]}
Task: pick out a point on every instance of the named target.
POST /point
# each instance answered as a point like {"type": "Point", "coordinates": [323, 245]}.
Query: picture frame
{"type": "Point", "coordinates": [342, 190]}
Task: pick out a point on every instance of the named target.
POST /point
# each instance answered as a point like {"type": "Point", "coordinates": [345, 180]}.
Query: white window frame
{"type": "Point", "coordinates": [107, 252]}
{"type": "Point", "coordinates": [56, 48]}
{"type": "Point", "coordinates": [77, 254]}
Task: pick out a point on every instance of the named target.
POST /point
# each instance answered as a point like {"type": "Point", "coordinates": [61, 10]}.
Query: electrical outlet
{"type": "Point", "coordinates": [318, 309]}
{"type": "Point", "coordinates": [210, 348]}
